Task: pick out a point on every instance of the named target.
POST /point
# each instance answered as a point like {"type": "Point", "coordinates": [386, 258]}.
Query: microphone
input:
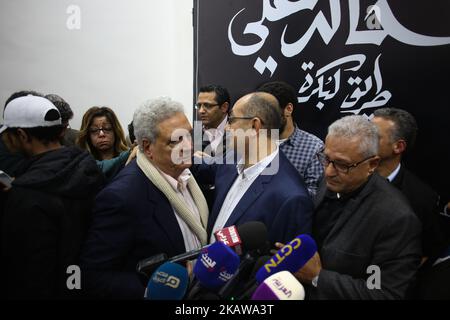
{"type": "Point", "coordinates": [147, 266]}
{"type": "Point", "coordinates": [230, 237]}
{"type": "Point", "coordinates": [214, 268]}
{"type": "Point", "coordinates": [249, 236]}
{"type": "Point", "coordinates": [280, 286]}
{"type": "Point", "coordinates": [168, 282]}
{"type": "Point", "coordinates": [291, 257]}
{"type": "Point", "coordinates": [252, 284]}
{"type": "Point", "coordinates": [296, 253]}
{"type": "Point", "coordinates": [216, 265]}
{"type": "Point", "coordinates": [257, 237]}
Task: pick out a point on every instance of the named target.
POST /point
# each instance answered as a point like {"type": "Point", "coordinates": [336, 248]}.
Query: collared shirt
{"type": "Point", "coordinates": [301, 149]}
{"type": "Point", "coordinates": [191, 241]}
{"type": "Point", "coordinates": [394, 173]}
{"type": "Point", "coordinates": [215, 135]}
{"type": "Point", "coordinates": [240, 186]}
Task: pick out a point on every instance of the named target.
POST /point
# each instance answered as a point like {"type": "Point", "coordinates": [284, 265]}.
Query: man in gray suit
{"type": "Point", "coordinates": [368, 237]}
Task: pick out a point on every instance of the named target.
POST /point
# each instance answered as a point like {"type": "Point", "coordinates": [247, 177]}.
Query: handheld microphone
{"type": "Point", "coordinates": [280, 286]}
{"type": "Point", "coordinates": [230, 237]}
{"type": "Point", "coordinates": [216, 266]}
{"type": "Point", "coordinates": [147, 266]}
{"type": "Point", "coordinates": [168, 282]}
{"type": "Point", "coordinates": [291, 257]}
{"type": "Point", "coordinates": [257, 236]}
{"type": "Point", "coordinates": [249, 236]}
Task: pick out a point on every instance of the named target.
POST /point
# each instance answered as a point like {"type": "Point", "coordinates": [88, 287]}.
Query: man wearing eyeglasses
{"type": "Point", "coordinates": [263, 185]}
{"type": "Point", "coordinates": [212, 107]}
{"type": "Point", "coordinates": [367, 235]}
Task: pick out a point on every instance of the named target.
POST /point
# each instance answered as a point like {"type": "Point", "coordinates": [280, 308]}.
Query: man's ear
{"type": "Point", "coordinates": [147, 148]}
{"type": "Point", "coordinates": [287, 112]}
{"type": "Point", "coordinates": [399, 147]}
{"type": "Point", "coordinates": [23, 136]}
{"type": "Point", "coordinates": [225, 107]}
{"type": "Point", "coordinates": [257, 124]}
{"type": "Point", "coordinates": [373, 163]}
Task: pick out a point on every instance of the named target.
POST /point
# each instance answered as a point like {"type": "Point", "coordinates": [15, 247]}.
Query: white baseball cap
{"type": "Point", "coordinates": [30, 112]}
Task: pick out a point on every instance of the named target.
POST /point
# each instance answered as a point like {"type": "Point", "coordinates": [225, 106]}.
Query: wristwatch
{"type": "Point", "coordinates": [314, 281]}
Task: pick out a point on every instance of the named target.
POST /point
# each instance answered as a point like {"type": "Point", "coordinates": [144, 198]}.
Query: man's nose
{"type": "Point", "coordinates": [330, 170]}
{"type": "Point", "coordinates": [187, 144]}
{"type": "Point", "coordinates": [201, 109]}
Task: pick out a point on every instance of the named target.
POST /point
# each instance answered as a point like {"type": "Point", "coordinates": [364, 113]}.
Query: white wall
{"type": "Point", "coordinates": [126, 51]}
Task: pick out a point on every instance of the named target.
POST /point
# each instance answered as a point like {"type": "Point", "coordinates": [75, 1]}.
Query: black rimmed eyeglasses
{"type": "Point", "coordinates": [205, 105]}
{"type": "Point", "coordinates": [232, 119]}
{"type": "Point", "coordinates": [96, 131]}
{"type": "Point", "coordinates": [340, 167]}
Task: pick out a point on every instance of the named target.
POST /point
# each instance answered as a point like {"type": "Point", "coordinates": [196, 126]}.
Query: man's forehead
{"type": "Point", "coordinates": [343, 147]}
{"type": "Point", "coordinates": [209, 96]}
{"type": "Point", "coordinates": [178, 120]}
{"type": "Point", "coordinates": [383, 123]}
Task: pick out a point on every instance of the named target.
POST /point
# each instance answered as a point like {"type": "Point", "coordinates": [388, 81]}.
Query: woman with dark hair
{"type": "Point", "coordinates": [101, 134]}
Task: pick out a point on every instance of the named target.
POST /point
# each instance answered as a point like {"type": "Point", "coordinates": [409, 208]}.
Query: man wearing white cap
{"type": "Point", "coordinates": [45, 212]}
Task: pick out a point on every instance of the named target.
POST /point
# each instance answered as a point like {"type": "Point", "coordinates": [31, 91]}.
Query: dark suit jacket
{"type": "Point", "coordinates": [132, 220]}
{"type": "Point", "coordinates": [377, 227]}
{"type": "Point", "coordinates": [208, 189]}
{"type": "Point", "coordinates": [281, 201]}
{"type": "Point", "coordinates": [425, 203]}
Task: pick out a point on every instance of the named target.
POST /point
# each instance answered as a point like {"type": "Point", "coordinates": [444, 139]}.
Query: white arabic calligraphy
{"type": "Point", "coordinates": [334, 81]}
{"type": "Point", "coordinates": [284, 8]}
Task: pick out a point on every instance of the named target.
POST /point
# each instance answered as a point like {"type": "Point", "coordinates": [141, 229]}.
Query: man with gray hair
{"type": "Point", "coordinates": [367, 236]}
{"type": "Point", "coordinates": [153, 206]}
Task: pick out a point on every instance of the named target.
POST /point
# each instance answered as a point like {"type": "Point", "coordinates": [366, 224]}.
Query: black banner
{"type": "Point", "coordinates": [343, 58]}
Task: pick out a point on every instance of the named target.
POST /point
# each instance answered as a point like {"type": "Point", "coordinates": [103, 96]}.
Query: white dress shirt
{"type": "Point", "coordinates": [394, 173]}
{"type": "Point", "coordinates": [191, 241]}
{"type": "Point", "coordinates": [240, 186]}
{"type": "Point", "coordinates": [215, 135]}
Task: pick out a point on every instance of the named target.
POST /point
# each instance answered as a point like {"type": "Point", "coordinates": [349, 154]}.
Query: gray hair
{"type": "Point", "coordinates": [150, 114]}
{"type": "Point", "coordinates": [357, 127]}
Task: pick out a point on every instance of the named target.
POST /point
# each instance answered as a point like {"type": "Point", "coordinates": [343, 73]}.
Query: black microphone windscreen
{"type": "Point", "coordinates": [253, 235]}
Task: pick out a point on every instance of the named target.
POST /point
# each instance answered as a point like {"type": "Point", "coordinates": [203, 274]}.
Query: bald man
{"type": "Point", "coordinates": [263, 185]}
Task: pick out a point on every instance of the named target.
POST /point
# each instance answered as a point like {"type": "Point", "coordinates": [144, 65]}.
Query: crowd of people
{"type": "Point", "coordinates": [103, 201]}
